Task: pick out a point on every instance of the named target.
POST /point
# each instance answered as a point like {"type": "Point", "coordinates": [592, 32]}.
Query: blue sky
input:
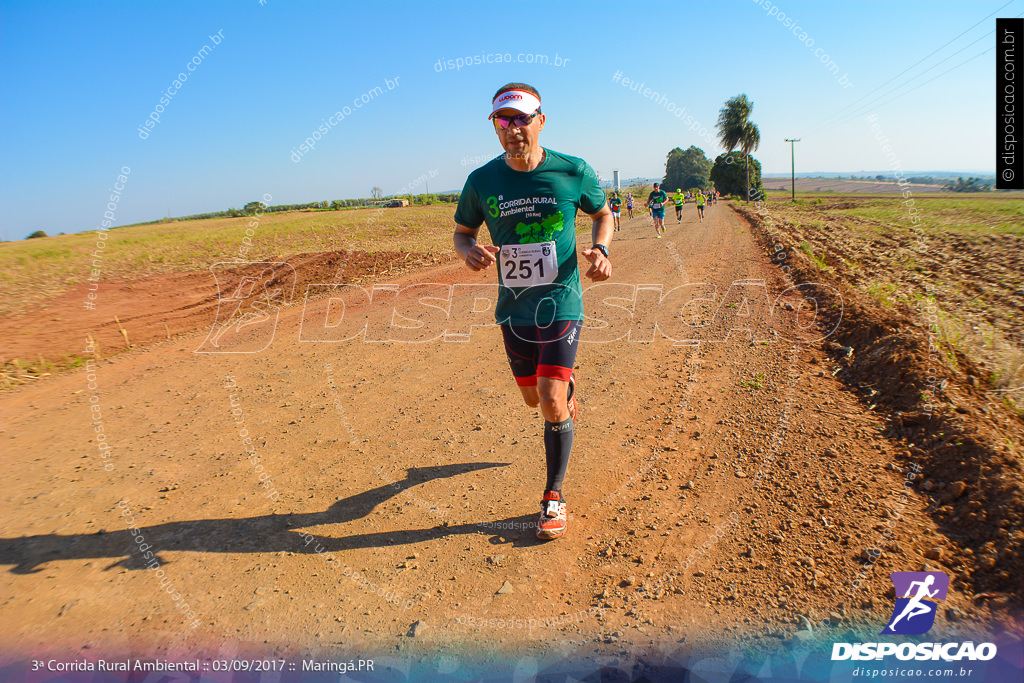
{"type": "Point", "coordinates": [79, 79]}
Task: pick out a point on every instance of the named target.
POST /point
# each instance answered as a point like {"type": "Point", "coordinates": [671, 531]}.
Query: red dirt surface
{"type": "Point", "coordinates": [159, 307]}
{"type": "Point", "coordinates": [946, 414]}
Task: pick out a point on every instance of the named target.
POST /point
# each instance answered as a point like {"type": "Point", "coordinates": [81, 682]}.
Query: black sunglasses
{"type": "Point", "coordinates": [519, 120]}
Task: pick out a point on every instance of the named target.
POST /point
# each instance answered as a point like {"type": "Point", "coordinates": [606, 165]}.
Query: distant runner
{"type": "Point", "coordinates": [629, 205]}
{"type": "Point", "coordinates": [656, 201]}
{"type": "Point", "coordinates": [700, 206]}
{"type": "Point", "coordinates": [615, 204]}
{"type": "Point", "coordinates": [679, 201]}
{"type": "Point", "coordinates": [529, 198]}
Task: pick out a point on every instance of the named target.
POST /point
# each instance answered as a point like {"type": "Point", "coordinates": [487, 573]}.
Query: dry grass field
{"type": "Point", "coordinates": [845, 186]}
{"type": "Point", "coordinates": [32, 271]}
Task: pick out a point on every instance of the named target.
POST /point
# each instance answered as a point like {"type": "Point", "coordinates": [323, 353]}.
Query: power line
{"type": "Point", "coordinates": [921, 85]}
{"type": "Point", "coordinates": [859, 110]}
{"type": "Point", "coordinates": [837, 113]}
{"type": "Point", "coordinates": [839, 123]}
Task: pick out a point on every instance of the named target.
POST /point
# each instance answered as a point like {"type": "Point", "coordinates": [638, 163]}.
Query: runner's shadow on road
{"type": "Point", "coordinates": [268, 533]}
{"type": "Point", "coordinates": [519, 532]}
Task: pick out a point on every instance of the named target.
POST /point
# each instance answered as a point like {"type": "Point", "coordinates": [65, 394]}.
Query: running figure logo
{"type": "Point", "coordinates": [247, 312]}
{"type": "Point", "coordinates": [914, 612]}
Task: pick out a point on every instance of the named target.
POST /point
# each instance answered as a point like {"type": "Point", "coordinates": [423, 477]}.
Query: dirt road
{"type": "Point", "coordinates": [721, 484]}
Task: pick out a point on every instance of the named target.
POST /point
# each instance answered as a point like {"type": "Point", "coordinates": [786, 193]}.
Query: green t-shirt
{"type": "Point", "coordinates": [678, 198]}
{"type": "Point", "coordinates": [700, 199]}
{"type": "Point", "coordinates": [527, 207]}
{"type": "Point", "coordinates": [614, 203]}
{"type": "Point", "coordinates": [658, 197]}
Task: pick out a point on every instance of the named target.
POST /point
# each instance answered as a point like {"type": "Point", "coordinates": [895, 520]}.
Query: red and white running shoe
{"type": "Point", "coordinates": [552, 522]}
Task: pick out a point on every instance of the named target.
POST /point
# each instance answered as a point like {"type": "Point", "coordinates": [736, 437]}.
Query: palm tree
{"type": "Point", "coordinates": [750, 142]}
{"type": "Point", "coordinates": [735, 129]}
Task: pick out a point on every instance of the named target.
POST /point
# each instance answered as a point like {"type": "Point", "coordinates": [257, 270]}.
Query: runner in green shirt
{"type": "Point", "coordinates": [528, 198]}
{"type": "Point", "coordinates": [679, 200]}
{"type": "Point", "coordinates": [615, 204]}
{"type": "Point", "coordinates": [657, 200]}
{"type": "Point", "coordinates": [700, 205]}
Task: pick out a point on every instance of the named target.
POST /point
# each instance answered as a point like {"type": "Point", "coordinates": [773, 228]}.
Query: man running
{"type": "Point", "coordinates": [656, 201]}
{"type": "Point", "coordinates": [700, 205]}
{"type": "Point", "coordinates": [679, 201]}
{"type": "Point", "coordinates": [529, 198]}
{"type": "Point", "coordinates": [629, 205]}
{"type": "Point", "coordinates": [615, 204]}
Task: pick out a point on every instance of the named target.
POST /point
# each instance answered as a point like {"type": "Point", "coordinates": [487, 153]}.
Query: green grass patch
{"type": "Point", "coordinates": [885, 295]}
{"type": "Point", "coordinates": [19, 371]}
{"type": "Point", "coordinates": [1000, 214]}
{"type": "Point", "coordinates": [818, 261]}
{"type": "Point", "coordinates": [756, 383]}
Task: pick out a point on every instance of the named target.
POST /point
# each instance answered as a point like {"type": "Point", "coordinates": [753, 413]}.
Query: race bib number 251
{"type": "Point", "coordinates": [528, 265]}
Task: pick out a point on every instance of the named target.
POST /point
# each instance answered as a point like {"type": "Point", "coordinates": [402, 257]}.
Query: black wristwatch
{"type": "Point", "coordinates": [601, 248]}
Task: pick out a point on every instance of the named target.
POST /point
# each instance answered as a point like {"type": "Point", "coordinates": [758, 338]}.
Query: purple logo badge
{"type": "Point", "coordinates": [916, 593]}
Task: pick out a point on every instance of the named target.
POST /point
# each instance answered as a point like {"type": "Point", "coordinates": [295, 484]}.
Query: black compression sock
{"type": "Point", "coordinates": [557, 447]}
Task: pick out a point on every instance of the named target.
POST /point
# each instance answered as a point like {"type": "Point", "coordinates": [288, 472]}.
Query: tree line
{"type": "Point", "coordinates": [731, 173]}
{"type": "Point", "coordinates": [252, 208]}
{"type": "Point", "coordinates": [969, 185]}
{"type": "Point", "coordinates": [333, 205]}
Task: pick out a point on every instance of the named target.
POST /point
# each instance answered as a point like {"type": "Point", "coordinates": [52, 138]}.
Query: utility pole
{"type": "Point", "coordinates": [792, 166]}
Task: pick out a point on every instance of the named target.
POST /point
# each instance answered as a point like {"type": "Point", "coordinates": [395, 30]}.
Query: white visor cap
{"type": "Point", "coordinates": [520, 100]}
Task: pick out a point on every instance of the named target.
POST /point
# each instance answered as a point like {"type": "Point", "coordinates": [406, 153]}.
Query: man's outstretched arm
{"type": "Point", "coordinates": [476, 256]}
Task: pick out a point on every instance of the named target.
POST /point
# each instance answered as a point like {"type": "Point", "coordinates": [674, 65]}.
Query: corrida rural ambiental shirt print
{"type": "Point", "coordinates": [528, 207]}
